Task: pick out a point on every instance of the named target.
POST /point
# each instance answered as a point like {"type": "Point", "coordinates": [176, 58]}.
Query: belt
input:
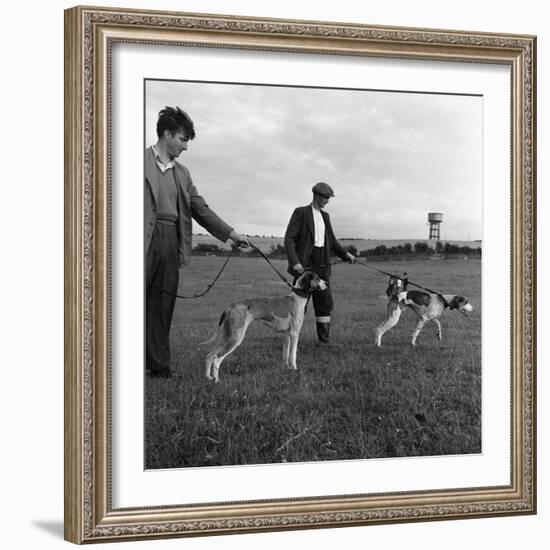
{"type": "Point", "coordinates": [167, 219]}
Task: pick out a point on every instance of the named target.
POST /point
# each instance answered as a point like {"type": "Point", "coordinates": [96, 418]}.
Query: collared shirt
{"type": "Point", "coordinates": [160, 163]}
{"type": "Point", "coordinates": [319, 224]}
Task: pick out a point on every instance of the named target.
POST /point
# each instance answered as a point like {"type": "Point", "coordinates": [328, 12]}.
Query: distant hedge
{"type": "Point", "coordinates": [419, 248]}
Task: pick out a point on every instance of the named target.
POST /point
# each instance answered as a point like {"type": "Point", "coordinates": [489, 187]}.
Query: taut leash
{"type": "Point", "coordinates": [279, 274]}
{"type": "Point", "coordinates": [403, 279]}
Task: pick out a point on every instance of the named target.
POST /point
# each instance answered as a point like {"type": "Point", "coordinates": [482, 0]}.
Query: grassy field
{"type": "Point", "coordinates": [353, 402]}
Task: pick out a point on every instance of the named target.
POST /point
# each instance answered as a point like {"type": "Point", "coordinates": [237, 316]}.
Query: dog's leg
{"type": "Point", "coordinates": [208, 364]}
{"type": "Point", "coordinates": [293, 340]}
{"type": "Point", "coordinates": [220, 354]}
{"type": "Point", "coordinates": [293, 337]}
{"type": "Point", "coordinates": [213, 353]}
{"type": "Point", "coordinates": [392, 318]}
{"type": "Point", "coordinates": [438, 327]}
{"type": "Point", "coordinates": [230, 335]}
{"type": "Point", "coordinates": [416, 331]}
{"type": "Point", "coordinates": [286, 349]}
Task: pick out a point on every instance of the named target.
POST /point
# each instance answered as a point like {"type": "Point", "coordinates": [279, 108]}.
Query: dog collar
{"type": "Point", "coordinates": [452, 304]}
{"type": "Point", "coordinates": [301, 292]}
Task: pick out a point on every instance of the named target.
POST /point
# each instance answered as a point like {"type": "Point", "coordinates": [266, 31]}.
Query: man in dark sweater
{"type": "Point", "coordinates": [309, 241]}
{"type": "Point", "coordinates": [171, 202]}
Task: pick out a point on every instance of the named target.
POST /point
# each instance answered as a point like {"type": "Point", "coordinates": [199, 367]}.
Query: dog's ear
{"type": "Point", "coordinates": [304, 282]}
{"type": "Point", "coordinates": [457, 301]}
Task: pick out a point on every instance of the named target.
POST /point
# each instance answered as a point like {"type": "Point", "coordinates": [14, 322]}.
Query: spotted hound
{"type": "Point", "coordinates": [428, 306]}
{"type": "Point", "coordinates": [282, 314]}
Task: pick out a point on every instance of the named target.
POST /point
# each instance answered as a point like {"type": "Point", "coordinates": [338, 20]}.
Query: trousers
{"type": "Point", "coordinates": [323, 302]}
{"type": "Point", "coordinates": [161, 273]}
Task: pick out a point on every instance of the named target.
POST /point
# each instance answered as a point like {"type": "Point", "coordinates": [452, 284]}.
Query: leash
{"type": "Point", "coordinates": [357, 261]}
{"type": "Point", "coordinates": [283, 278]}
{"type": "Point", "coordinates": [445, 303]}
{"type": "Point", "coordinates": [208, 287]}
{"type": "Point", "coordinates": [280, 275]}
{"type": "Point", "coordinates": [211, 285]}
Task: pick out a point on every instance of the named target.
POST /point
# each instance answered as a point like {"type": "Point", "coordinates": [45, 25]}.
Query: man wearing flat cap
{"type": "Point", "coordinates": [309, 242]}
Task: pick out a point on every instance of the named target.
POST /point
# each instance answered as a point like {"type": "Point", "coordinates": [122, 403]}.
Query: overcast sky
{"type": "Point", "coordinates": [390, 157]}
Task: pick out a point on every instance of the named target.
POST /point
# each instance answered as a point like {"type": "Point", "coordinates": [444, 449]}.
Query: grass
{"type": "Point", "coordinates": [352, 402]}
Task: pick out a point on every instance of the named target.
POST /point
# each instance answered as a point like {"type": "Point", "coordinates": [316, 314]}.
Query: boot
{"type": "Point", "coordinates": [323, 333]}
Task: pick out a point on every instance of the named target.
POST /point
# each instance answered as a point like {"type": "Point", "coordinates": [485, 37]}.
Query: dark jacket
{"type": "Point", "coordinates": [300, 239]}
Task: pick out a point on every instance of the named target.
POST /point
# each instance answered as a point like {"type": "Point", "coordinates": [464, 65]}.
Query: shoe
{"type": "Point", "coordinates": [323, 332]}
{"type": "Point", "coordinates": [161, 373]}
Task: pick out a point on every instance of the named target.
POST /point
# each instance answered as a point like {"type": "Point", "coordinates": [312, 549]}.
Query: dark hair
{"type": "Point", "coordinates": [175, 120]}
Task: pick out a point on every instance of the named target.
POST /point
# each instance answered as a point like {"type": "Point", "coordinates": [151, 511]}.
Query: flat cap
{"type": "Point", "coordinates": [323, 188]}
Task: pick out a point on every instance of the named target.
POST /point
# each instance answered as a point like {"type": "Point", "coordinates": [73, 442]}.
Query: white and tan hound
{"type": "Point", "coordinates": [282, 314]}
{"type": "Point", "coordinates": [428, 307]}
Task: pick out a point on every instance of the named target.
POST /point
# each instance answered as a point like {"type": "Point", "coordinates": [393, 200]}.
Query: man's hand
{"type": "Point", "coordinates": [239, 239]}
{"type": "Point", "coordinates": [350, 258]}
{"type": "Point", "coordinates": [298, 268]}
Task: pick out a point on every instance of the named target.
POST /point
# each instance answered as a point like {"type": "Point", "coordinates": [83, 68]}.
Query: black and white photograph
{"type": "Point", "coordinates": [320, 310]}
{"type": "Point", "coordinates": [313, 274]}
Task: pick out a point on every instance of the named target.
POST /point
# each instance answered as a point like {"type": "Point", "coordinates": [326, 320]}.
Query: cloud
{"type": "Point", "coordinates": [391, 157]}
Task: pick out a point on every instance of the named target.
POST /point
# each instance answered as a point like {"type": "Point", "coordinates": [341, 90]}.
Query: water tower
{"type": "Point", "coordinates": [434, 221]}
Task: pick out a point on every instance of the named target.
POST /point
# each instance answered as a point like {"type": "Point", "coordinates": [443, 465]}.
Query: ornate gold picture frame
{"type": "Point", "coordinates": [90, 36]}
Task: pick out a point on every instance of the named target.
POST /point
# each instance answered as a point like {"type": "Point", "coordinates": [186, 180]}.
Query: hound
{"type": "Point", "coordinates": [282, 314]}
{"type": "Point", "coordinates": [428, 307]}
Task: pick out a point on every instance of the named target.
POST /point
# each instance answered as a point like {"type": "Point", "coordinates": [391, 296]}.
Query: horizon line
{"type": "Point", "coordinates": [355, 238]}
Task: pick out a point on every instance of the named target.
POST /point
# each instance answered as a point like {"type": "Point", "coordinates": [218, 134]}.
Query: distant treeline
{"type": "Point", "coordinates": [379, 252]}
{"type": "Point", "coordinates": [417, 248]}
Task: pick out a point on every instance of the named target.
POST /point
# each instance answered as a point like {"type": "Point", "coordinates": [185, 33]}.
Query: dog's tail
{"type": "Point", "coordinates": [215, 335]}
